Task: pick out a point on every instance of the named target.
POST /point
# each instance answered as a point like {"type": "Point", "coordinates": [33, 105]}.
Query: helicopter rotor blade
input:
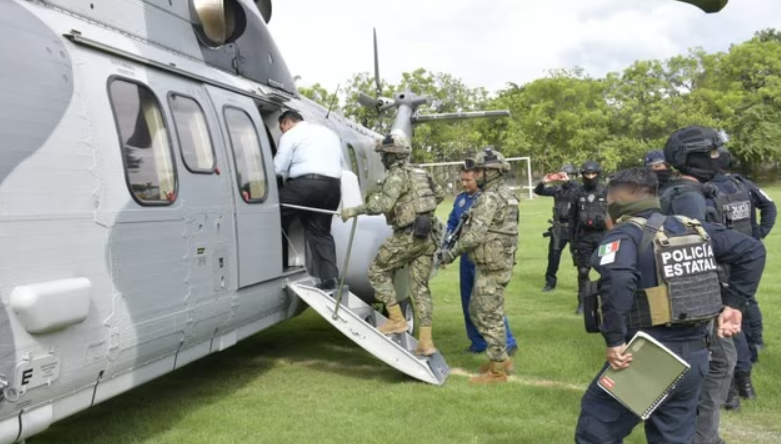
{"type": "Point", "coordinates": [367, 101]}
{"type": "Point", "coordinates": [376, 66]}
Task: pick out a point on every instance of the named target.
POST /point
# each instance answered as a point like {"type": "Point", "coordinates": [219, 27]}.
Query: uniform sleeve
{"type": "Point", "coordinates": [767, 211]}
{"type": "Point", "coordinates": [690, 204]}
{"type": "Point", "coordinates": [617, 285]}
{"type": "Point", "coordinates": [284, 156]}
{"type": "Point", "coordinates": [439, 192]}
{"type": "Point", "coordinates": [542, 190]}
{"type": "Point", "coordinates": [745, 257]}
{"type": "Point", "coordinates": [481, 215]}
{"type": "Point", "coordinates": [384, 200]}
{"type": "Point", "coordinates": [452, 220]}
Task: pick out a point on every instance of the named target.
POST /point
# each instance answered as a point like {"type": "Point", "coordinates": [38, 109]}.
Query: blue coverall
{"type": "Point", "coordinates": [462, 203]}
{"type": "Point", "coordinates": [603, 420]}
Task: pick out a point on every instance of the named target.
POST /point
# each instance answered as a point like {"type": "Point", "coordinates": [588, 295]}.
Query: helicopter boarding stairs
{"type": "Point", "coordinates": [358, 320]}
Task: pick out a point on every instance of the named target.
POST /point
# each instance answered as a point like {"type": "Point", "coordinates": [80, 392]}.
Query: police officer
{"type": "Point", "coordinates": [408, 198]}
{"type": "Point", "coordinates": [656, 162]}
{"type": "Point", "coordinates": [589, 222]}
{"type": "Point", "coordinates": [633, 279]}
{"type": "Point", "coordinates": [564, 195]}
{"type": "Point", "coordinates": [691, 151]}
{"type": "Point", "coordinates": [752, 320]}
{"type": "Point", "coordinates": [490, 236]}
{"type": "Point", "coordinates": [462, 204]}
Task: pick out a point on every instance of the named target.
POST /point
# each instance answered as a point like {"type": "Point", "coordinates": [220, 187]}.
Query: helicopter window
{"type": "Point", "coordinates": [193, 133]}
{"type": "Point", "coordinates": [354, 162]}
{"type": "Point", "coordinates": [250, 167]}
{"type": "Point", "coordinates": [147, 155]}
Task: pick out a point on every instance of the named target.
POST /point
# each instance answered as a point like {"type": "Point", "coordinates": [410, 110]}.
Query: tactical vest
{"type": "Point", "coordinates": [417, 198]}
{"type": "Point", "coordinates": [592, 209]}
{"type": "Point", "coordinates": [561, 209]}
{"type": "Point", "coordinates": [501, 242]}
{"type": "Point", "coordinates": [688, 291]}
{"type": "Point", "coordinates": [732, 210]}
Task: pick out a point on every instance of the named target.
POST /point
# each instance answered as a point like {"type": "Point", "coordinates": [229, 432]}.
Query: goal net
{"type": "Point", "coordinates": [448, 175]}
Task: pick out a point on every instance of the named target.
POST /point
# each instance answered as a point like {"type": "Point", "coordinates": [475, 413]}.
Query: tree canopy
{"type": "Point", "coordinates": [568, 116]}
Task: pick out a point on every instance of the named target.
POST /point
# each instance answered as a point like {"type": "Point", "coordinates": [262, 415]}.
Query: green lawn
{"type": "Point", "coordinates": [303, 382]}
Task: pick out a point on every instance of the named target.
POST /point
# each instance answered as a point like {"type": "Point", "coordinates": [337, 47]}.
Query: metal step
{"type": "Point", "coordinates": [357, 320]}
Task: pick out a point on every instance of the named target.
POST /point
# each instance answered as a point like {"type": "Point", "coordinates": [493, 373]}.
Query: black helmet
{"type": "Point", "coordinates": [692, 139]}
{"type": "Point", "coordinates": [590, 166]}
{"type": "Point", "coordinates": [569, 169]}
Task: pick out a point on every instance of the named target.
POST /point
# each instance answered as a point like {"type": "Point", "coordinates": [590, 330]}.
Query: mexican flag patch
{"type": "Point", "coordinates": [606, 249]}
{"type": "Point", "coordinates": [607, 252]}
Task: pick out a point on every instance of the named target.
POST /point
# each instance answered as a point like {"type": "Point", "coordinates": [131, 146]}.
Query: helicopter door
{"type": "Point", "coordinates": [255, 195]}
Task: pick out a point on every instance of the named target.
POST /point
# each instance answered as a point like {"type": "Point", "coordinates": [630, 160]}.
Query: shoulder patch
{"type": "Point", "coordinates": [608, 252]}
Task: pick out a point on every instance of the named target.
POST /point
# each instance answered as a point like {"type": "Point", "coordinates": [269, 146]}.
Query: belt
{"type": "Point", "coordinates": [315, 177]}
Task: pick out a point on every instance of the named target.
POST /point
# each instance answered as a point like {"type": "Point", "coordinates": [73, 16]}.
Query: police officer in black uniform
{"type": "Point", "coordinates": [564, 194]}
{"type": "Point", "coordinates": [752, 319]}
{"type": "Point", "coordinates": [632, 279]}
{"type": "Point", "coordinates": [658, 164]}
{"type": "Point", "coordinates": [692, 151]}
{"type": "Point", "coordinates": [589, 222]}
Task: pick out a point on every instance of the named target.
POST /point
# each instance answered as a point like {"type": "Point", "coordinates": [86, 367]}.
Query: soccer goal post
{"type": "Point", "coordinates": [448, 174]}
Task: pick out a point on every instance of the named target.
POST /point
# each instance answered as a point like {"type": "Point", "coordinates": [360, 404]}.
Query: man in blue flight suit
{"type": "Point", "coordinates": [564, 195]}
{"type": "Point", "coordinates": [632, 279]}
{"type": "Point", "coordinates": [467, 271]}
{"type": "Point", "coordinates": [692, 151]}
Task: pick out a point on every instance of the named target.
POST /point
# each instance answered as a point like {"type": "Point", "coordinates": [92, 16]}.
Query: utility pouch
{"type": "Point", "coordinates": [421, 228]}
{"type": "Point", "coordinates": [592, 315]}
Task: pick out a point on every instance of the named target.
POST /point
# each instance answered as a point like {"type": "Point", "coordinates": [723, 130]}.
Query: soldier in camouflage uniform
{"type": "Point", "coordinates": [490, 236]}
{"type": "Point", "coordinates": [408, 198]}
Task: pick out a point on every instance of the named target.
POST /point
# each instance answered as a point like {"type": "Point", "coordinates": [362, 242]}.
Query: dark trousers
{"type": "Point", "coordinates": [586, 244]}
{"type": "Point", "coordinates": [744, 363]}
{"type": "Point", "coordinates": [467, 286]}
{"type": "Point", "coordinates": [554, 258]}
{"type": "Point", "coordinates": [752, 326]}
{"type": "Point", "coordinates": [715, 389]}
{"type": "Point", "coordinates": [323, 193]}
{"type": "Point", "coordinates": [603, 420]}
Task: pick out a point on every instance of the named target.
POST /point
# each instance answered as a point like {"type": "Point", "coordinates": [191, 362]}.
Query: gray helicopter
{"type": "Point", "coordinates": [139, 212]}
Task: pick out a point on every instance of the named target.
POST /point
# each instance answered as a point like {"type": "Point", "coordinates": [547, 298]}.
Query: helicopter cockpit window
{"type": "Point", "coordinates": [250, 168]}
{"type": "Point", "coordinates": [149, 166]}
{"type": "Point", "coordinates": [193, 133]}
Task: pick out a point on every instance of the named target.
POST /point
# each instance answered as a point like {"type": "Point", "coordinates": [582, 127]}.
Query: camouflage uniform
{"type": "Point", "coordinates": [408, 196]}
{"type": "Point", "coordinates": [490, 237]}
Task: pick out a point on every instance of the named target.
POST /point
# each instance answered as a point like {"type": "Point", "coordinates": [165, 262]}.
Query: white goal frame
{"type": "Point", "coordinates": [529, 186]}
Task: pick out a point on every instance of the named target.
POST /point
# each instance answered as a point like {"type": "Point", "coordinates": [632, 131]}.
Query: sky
{"type": "Point", "coordinates": [491, 42]}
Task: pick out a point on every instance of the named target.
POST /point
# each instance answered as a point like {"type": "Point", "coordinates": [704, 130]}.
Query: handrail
{"type": "Point", "coordinates": [347, 255]}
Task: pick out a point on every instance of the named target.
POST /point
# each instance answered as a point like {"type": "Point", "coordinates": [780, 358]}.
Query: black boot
{"type": "Point", "coordinates": [733, 400]}
{"type": "Point", "coordinates": [745, 387]}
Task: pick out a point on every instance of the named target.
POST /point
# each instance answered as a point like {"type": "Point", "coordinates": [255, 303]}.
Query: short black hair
{"type": "Point", "coordinates": [291, 114]}
{"type": "Point", "coordinates": [641, 179]}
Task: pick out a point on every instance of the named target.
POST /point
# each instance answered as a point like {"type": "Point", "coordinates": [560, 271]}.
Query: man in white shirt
{"type": "Point", "coordinates": [309, 160]}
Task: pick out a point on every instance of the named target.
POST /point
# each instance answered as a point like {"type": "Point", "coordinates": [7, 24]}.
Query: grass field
{"type": "Point", "coordinates": [303, 382]}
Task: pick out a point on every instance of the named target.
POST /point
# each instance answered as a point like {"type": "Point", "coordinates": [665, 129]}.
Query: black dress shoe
{"type": "Point", "coordinates": [328, 285]}
{"type": "Point", "coordinates": [548, 288]}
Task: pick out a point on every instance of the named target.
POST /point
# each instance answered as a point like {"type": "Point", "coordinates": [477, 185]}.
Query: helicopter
{"type": "Point", "coordinates": [139, 212]}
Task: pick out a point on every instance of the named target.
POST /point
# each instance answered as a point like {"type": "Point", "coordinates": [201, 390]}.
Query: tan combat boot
{"type": "Point", "coordinates": [508, 367]}
{"type": "Point", "coordinates": [425, 343]}
{"type": "Point", "coordinates": [395, 323]}
{"type": "Point", "coordinates": [495, 373]}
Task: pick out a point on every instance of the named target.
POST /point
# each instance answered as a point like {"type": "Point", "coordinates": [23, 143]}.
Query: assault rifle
{"type": "Point", "coordinates": [450, 239]}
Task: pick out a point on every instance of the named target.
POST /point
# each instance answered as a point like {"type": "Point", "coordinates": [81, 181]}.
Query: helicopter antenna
{"type": "Point", "coordinates": [333, 99]}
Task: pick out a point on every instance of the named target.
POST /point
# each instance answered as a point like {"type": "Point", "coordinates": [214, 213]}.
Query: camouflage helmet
{"type": "Point", "coordinates": [394, 142]}
{"type": "Point", "coordinates": [487, 159]}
